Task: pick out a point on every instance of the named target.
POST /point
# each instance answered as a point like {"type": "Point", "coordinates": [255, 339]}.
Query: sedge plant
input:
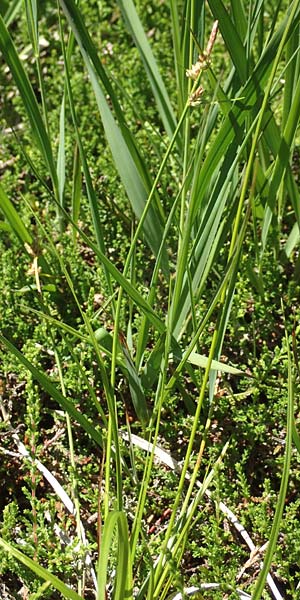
{"type": "Point", "coordinates": [209, 175]}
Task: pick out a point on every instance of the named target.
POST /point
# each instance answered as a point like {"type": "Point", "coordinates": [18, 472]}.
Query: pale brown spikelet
{"type": "Point", "coordinates": [203, 61]}
{"type": "Point", "coordinates": [212, 39]}
{"type": "Point", "coordinates": [194, 71]}
{"type": "Point", "coordinates": [195, 97]}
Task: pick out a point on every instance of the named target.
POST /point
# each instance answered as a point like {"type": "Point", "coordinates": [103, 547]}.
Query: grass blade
{"type": "Point", "coordinates": [180, 77]}
{"type": "Point", "coordinates": [76, 186]}
{"type": "Point", "coordinates": [115, 519]}
{"type": "Point", "coordinates": [281, 163]}
{"type": "Point", "coordinates": [121, 145]}
{"type": "Point", "coordinates": [61, 156]}
{"type": "Point", "coordinates": [40, 571]}
{"type": "Point", "coordinates": [159, 91]}
{"type": "Point", "coordinates": [135, 385]}
{"type": "Point", "coordinates": [29, 100]}
{"type": "Point", "coordinates": [231, 38]}
{"type": "Point", "coordinates": [13, 218]}
{"type": "Point", "coordinates": [48, 386]}
{"type": "Point", "coordinates": [260, 584]}
{"type": "Point", "coordinates": [11, 11]}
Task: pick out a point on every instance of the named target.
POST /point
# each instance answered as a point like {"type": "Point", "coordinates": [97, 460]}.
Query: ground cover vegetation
{"type": "Point", "coordinates": [149, 338]}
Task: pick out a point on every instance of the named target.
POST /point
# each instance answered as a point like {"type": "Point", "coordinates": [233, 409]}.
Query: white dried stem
{"type": "Point", "coordinates": [169, 461]}
{"type": "Point", "coordinates": [22, 452]}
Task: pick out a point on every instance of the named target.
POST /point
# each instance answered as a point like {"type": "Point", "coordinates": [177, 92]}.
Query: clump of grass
{"type": "Point", "coordinates": [140, 332]}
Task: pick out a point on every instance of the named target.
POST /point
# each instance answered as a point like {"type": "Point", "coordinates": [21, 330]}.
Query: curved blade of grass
{"type": "Point", "coordinates": [61, 156]}
{"type": "Point", "coordinates": [281, 163]}
{"type": "Point", "coordinates": [13, 218]}
{"type": "Point", "coordinates": [125, 284]}
{"type": "Point", "coordinates": [40, 571]}
{"type": "Point", "coordinates": [132, 292]}
{"type": "Point", "coordinates": [152, 366]}
{"type": "Point", "coordinates": [124, 155]}
{"type": "Point", "coordinates": [119, 278]}
{"type": "Point", "coordinates": [81, 33]}
{"type": "Point", "coordinates": [159, 91]}
{"type": "Point", "coordinates": [292, 241]}
{"type": "Point", "coordinates": [127, 366]}
{"type": "Point", "coordinates": [123, 575]}
{"type": "Point", "coordinates": [29, 100]}
{"type": "Point", "coordinates": [274, 139]}
{"type": "Point", "coordinates": [12, 11]}
{"type": "Point", "coordinates": [199, 360]}
{"type": "Point", "coordinates": [76, 186]}
{"type": "Point", "coordinates": [296, 437]}
{"type": "Point", "coordinates": [180, 76]}
{"type": "Point", "coordinates": [129, 174]}
{"type": "Point", "coordinates": [48, 386]}
{"type": "Point", "coordinates": [239, 17]}
{"type": "Point", "coordinates": [291, 74]}
{"type": "Point", "coordinates": [88, 179]}
{"type": "Point", "coordinates": [136, 389]}
{"type": "Point", "coordinates": [231, 38]}
{"type": "Point", "coordinates": [256, 595]}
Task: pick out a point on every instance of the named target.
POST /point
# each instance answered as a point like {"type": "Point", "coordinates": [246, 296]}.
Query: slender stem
{"type": "Point", "coordinates": [187, 128]}
{"type": "Point", "coordinates": [138, 231]}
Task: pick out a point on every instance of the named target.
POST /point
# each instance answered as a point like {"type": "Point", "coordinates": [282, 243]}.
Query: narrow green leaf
{"type": "Point", "coordinates": [129, 174]}
{"type": "Point", "coordinates": [292, 241]}
{"type": "Point", "coordinates": [121, 591]}
{"type": "Point", "coordinates": [291, 75]}
{"type": "Point", "coordinates": [180, 75]}
{"type": "Point", "coordinates": [159, 91]}
{"type": "Point", "coordinates": [40, 571]}
{"type": "Point", "coordinates": [153, 364]}
{"type": "Point", "coordinates": [29, 100]}
{"type": "Point", "coordinates": [281, 163]}
{"type": "Point", "coordinates": [76, 186]}
{"type": "Point", "coordinates": [200, 360]}
{"type": "Point", "coordinates": [296, 437]}
{"type": "Point", "coordinates": [61, 157]}
{"type": "Point", "coordinates": [260, 584]}
{"type": "Point", "coordinates": [122, 148]}
{"type": "Point", "coordinates": [136, 389]}
{"type": "Point", "coordinates": [239, 17]}
{"type": "Point", "coordinates": [231, 38]}
{"type": "Point", "coordinates": [127, 286]}
{"type": "Point", "coordinates": [13, 218]}
{"type": "Point", "coordinates": [88, 179]}
{"type": "Point", "coordinates": [11, 11]}
{"type": "Point", "coordinates": [48, 386]}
